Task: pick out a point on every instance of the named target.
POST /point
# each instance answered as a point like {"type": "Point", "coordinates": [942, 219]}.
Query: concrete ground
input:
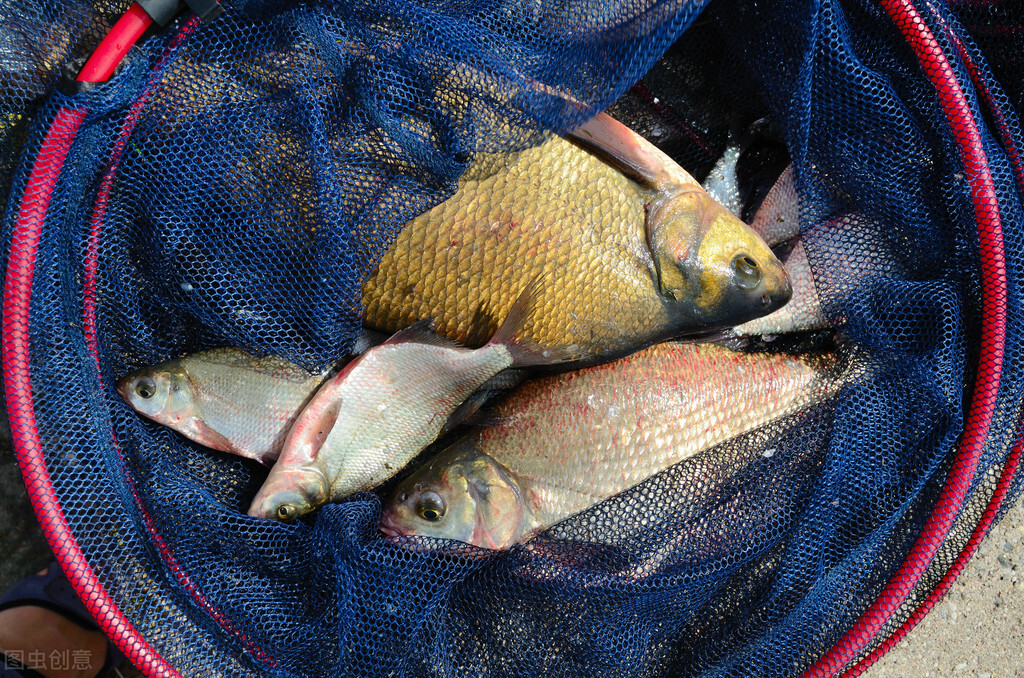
{"type": "Point", "coordinates": [975, 631]}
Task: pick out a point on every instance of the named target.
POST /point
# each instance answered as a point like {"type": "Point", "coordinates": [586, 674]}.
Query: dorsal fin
{"type": "Point", "coordinates": [633, 154]}
{"type": "Point", "coordinates": [421, 332]}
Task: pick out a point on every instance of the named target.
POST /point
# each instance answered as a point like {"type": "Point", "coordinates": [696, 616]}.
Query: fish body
{"type": "Point", "coordinates": [224, 398]}
{"type": "Point", "coordinates": [569, 441]}
{"type": "Point", "coordinates": [778, 218]}
{"type": "Point", "coordinates": [382, 409]}
{"type": "Point", "coordinates": [628, 257]}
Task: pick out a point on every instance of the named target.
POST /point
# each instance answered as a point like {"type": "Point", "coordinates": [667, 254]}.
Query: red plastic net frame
{"type": "Point", "coordinates": [17, 293]}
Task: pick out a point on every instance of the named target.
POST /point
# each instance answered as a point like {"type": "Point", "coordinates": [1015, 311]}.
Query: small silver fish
{"type": "Point", "coordinates": [383, 408]}
{"type": "Point", "coordinates": [569, 441]}
{"type": "Point", "coordinates": [722, 184]}
{"type": "Point", "coordinates": [224, 398]}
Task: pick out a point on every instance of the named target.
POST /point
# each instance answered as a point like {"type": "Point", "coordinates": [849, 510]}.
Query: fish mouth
{"type": "Point", "coordinates": [388, 526]}
{"type": "Point", "coordinates": [779, 293]}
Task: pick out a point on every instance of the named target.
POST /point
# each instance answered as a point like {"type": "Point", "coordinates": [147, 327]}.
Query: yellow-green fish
{"type": "Point", "coordinates": [630, 248]}
{"type": "Point", "coordinates": [569, 441]}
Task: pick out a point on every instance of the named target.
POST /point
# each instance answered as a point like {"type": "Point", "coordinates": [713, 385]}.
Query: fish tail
{"type": "Point", "coordinates": [524, 351]}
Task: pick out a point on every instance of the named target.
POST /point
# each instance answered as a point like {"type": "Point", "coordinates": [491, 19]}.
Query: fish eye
{"type": "Point", "coordinates": [287, 513]}
{"type": "Point", "coordinates": [748, 273]}
{"type": "Point", "coordinates": [430, 507]}
{"type": "Point", "coordinates": [145, 388]}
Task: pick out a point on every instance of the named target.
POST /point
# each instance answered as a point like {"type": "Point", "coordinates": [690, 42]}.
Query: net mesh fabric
{"type": "Point", "coordinates": [996, 27]}
{"type": "Point", "coordinates": [274, 156]}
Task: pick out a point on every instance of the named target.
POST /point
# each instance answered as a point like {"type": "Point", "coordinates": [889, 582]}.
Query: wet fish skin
{"type": "Point", "coordinates": [366, 422]}
{"type": "Point", "coordinates": [225, 398]}
{"type": "Point", "coordinates": [802, 313]}
{"type": "Point", "coordinates": [383, 408]}
{"type": "Point", "coordinates": [778, 218]}
{"type": "Point", "coordinates": [566, 442]}
{"type": "Point", "coordinates": [627, 261]}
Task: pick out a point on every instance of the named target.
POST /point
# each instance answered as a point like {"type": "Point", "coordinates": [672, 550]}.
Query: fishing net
{"type": "Point", "coordinates": [237, 179]}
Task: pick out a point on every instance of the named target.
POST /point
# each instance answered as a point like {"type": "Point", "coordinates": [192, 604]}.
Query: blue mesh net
{"type": "Point", "coordinates": [277, 153]}
{"type": "Point", "coordinates": [997, 29]}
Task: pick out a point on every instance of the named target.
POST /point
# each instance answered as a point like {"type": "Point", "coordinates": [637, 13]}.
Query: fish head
{"type": "Point", "coordinates": [711, 266]}
{"type": "Point", "coordinates": [464, 495]}
{"type": "Point", "coordinates": [290, 492]}
{"type": "Point", "coordinates": [164, 395]}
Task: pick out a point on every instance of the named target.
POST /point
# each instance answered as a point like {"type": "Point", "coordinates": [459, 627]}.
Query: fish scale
{"type": "Point", "coordinates": [560, 212]}
{"type": "Point", "coordinates": [449, 377]}
{"type": "Point", "coordinates": [485, 271]}
{"type": "Point", "coordinates": [727, 394]}
{"type": "Point", "coordinates": [226, 399]}
{"type": "Point", "coordinates": [383, 408]}
{"type": "Point", "coordinates": [568, 441]}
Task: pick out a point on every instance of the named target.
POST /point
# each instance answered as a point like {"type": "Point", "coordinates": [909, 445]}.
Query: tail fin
{"type": "Point", "coordinates": [525, 352]}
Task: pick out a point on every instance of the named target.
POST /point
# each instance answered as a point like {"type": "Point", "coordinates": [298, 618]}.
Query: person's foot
{"type": "Point", "coordinates": [48, 641]}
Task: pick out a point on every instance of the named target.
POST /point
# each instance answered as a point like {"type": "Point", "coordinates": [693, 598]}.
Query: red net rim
{"type": "Point", "coordinates": [18, 392]}
{"type": "Point", "coordinates": [990, 361]}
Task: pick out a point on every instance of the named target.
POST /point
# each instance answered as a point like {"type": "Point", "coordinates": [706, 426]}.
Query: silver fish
{"type": "Point", "coordinates": [722, 184]}
{"type": "Point", "coordinates": [569, 441]}
{"type": "Point", "coordinates": [224, 398]}
{"type": "Point", "coordinates": [383, 408]}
